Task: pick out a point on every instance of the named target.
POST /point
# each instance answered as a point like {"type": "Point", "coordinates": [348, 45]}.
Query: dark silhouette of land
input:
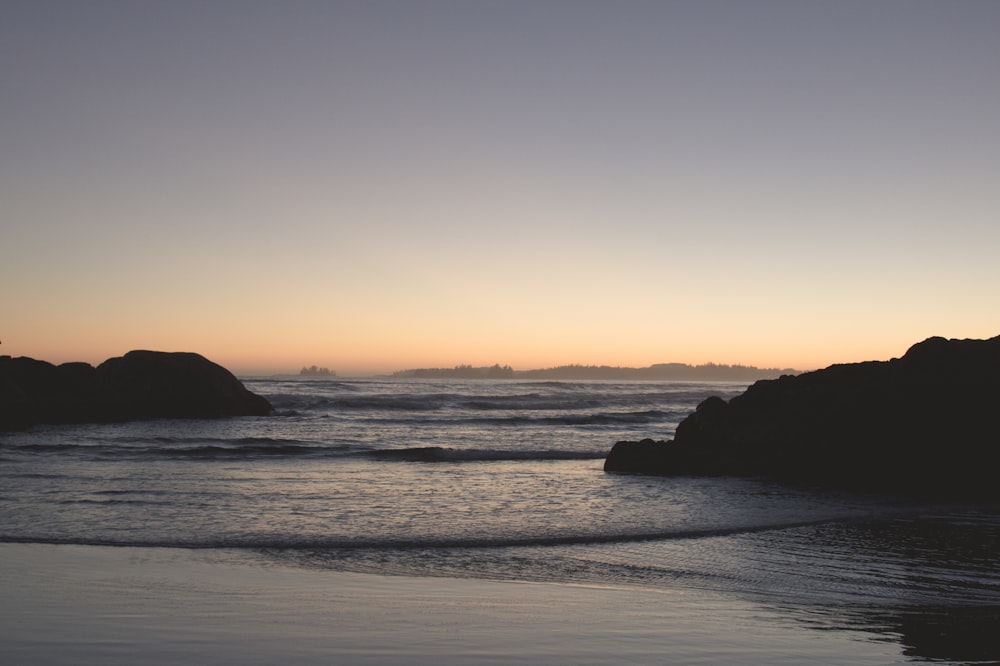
{"type": "Point", "coordinates": [316, 371]}
{"type": "Point", "coordinates": [660, 371]}
{"type": "Point", "coordinates": [924, 423]}
{"type": "Point", "coordinates": [138, 385]}
{"type": "Point", "coordinates": [460, 372]}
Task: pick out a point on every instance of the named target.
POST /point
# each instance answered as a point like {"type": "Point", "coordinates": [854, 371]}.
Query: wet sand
{"type": "Point", "coordinates": [86, 604]}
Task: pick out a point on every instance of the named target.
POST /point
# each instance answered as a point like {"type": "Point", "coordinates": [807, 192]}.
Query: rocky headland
{"type": "Point", "coordinates": [138, 385]}
{"type": "Point", "coordinates": [924, 423]}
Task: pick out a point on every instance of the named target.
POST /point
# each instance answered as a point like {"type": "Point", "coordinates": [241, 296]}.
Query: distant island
{"type": "Point", "coordinates": [659, 371]}
{"type": "Point", "coordinates": [314, 371]}
{"type": "Point", "coordinates": [461, 372]}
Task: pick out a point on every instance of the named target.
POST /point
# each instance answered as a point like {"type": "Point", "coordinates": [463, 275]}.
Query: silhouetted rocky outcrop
{"type": "Point", "coordinates": [926, 422]}
{"type": "Point", "coordinates": [139, 385]}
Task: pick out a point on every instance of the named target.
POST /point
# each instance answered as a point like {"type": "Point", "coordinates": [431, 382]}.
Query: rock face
{"type": "Point", "coordinates": [926, 423]}
{"type": "Point", "coordinates": [139, 385]}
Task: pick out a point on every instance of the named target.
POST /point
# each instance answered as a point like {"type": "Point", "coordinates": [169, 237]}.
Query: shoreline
{"type": "Point", "coordinates": [117, 605]}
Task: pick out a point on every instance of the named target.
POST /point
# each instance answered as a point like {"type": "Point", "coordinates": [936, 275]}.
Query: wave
{"type": "Point", "coordinates": [391, 402]}
{"type": "Point", "coordinates": [110, 502]}
{"type": "Point", "coordinates": [647, 416]}
{"type": "Point", "coordinates": [243, 451]}
{"type": "Point", "coordinates": [170, 441]}
{"type": "Point", "coordinates": [531, 401]}
{"type": "Point", "coordinates": [279, 542]}
{"type": "Point", "coordinates": [186, 447]}
{"type": "Point", "coordinates": [519, 420]}
{"type": "Point", "coordinates": [258, 447]}
{"type": "Point", "coordinates": [444, 454]}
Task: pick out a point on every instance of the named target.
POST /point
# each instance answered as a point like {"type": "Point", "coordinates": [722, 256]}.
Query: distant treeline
{"type": "Point", "coordinates": [314, 371]}
{"type": "Point", "coordinates": [672, 371]}
{"type": "Point", "coordinates": [461, 371]}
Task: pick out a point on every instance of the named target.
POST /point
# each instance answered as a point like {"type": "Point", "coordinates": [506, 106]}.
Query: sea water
{"type": "Point", "coordinates": [503, 480]}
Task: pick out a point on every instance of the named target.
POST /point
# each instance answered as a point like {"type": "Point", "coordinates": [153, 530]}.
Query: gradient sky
{"type": "Point", "coordinates": [372, 186]}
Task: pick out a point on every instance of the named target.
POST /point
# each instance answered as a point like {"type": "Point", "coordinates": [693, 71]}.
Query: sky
{"type": "Point", "coordinates": [371, 186]}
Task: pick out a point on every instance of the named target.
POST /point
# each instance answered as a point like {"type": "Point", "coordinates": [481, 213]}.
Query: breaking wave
{"type": "Point", "coordinates": [316, 543]}
{"type": "Point", "coordinates": [444, 454]}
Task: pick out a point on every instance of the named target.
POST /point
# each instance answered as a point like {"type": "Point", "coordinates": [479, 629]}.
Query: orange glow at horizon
{"type": "Point", "coordinates": [377, 187]}
{"type": "Point", "coordinates": [247, 355]}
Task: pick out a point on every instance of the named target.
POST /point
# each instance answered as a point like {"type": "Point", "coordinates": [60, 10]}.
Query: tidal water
{"type": "Point", "coordinates": [503, 480]}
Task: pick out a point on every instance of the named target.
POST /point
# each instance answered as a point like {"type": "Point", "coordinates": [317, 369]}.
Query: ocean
{"type": "Point", "coordinates": [502, 480]}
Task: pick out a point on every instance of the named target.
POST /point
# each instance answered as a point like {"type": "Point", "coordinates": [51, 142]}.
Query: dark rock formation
{"type": "Point", "coordinates": [139, 385]}
{"type": "Point", "coordinates": [926, 422]}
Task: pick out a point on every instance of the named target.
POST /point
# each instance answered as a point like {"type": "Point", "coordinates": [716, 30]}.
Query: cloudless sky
{"type": "Point", "coordinates": [372, 186]}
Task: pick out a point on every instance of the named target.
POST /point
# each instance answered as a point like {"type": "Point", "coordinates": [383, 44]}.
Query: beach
{"type": "Point", "coordinates": [385, 521]}
{"type": "Point", "coordinates": [473, 333]}
{"type": "Point", "coordinates": [110, 605]}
